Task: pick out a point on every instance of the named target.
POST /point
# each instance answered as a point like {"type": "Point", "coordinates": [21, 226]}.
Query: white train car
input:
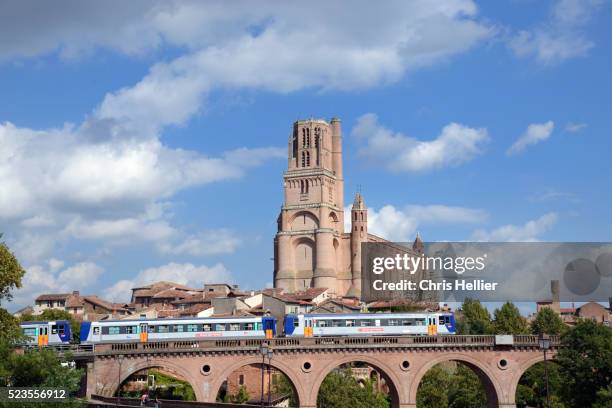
{"type": "Point", "coordinates": [369, 324]}
{"type": "Point", "coordinates": [125, 331]}
{"type": "Point", "coordinates": [50, 333]}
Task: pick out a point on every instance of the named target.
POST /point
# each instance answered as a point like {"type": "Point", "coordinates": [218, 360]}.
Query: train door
{"type": "Point", "coordinates": [43, 335]}
{"type": "Point", "coordinates": [144, 333]}
{"type": "Point", "coordinates": [308, 327]}
{"type": "Point", "coordinates": [432, 327]}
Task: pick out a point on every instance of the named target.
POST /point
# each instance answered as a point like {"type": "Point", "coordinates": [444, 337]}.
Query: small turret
{"type": "Point", "coordinates": [418, 245]}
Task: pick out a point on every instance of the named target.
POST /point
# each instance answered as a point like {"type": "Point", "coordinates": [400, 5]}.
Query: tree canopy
{"type": "Point", "coordinates": [473, 318]}
{"type": "Point", "coordinates": [11, 273]}
{"type": "Point", "coordinates": [547, 321]}
{"type": "Point", "coordinates": [586, 363]}
{"type": "Point", "coordinates": [341, 390]}
{"type": "Point", "coordinates": [508, 320]}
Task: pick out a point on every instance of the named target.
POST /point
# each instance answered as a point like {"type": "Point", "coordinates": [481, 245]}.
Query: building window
{"type": "Point", "coordinates": [241, 379]}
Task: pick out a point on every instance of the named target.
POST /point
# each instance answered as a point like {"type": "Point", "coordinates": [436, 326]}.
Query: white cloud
{"type": "Point", "coordinates": [184, 274]}
{"type": "Point", "coordinates": [530, 231]}
{"type": "Point", "coordinates": [535, 133]}
{"type": "Point", "coordinates": [456, 144]}
{"type": "Point", "coordinates": [575, 127]}
{"type": "Point", "coordinates": [562, 37]}
{"type": "Point", "coordinates": [401, 224]}
{"type": "Point", "coordinates": [213, 242]}
{"type": "Point", "coordinates": [98, 178]}
{"type": "Point", "coordinates": [54, 278]}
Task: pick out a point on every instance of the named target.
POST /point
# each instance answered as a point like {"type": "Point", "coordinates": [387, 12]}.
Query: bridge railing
{"type": "Point", "coordinates": [292, 343]}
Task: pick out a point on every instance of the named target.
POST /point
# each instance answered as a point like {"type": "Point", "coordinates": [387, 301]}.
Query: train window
{"type": "Point", "coordinates": [61, 330]}
{"type": "Point", "coordinates": [337, 323]}
{"type": "Point", "coordinates": [366, 322]}
{"type": "Point", "coordinates": [234, 326]}
{"type": "Point", "coordinates": [151, 329]}
{"type": "Point", "coordinates": [219, 327]}
{"type": "Point", "coordinates": [179, 328]}
{"type": "Point", "coordinates": [249, 326]}
{"type": "Point", "coordinates": [194, 327]}
{"type": "Point", "coordinates": [407, 322]}
{"type": "Point", "coordinates": [321, 323]}
{"type": "Point", "coordinates": [114, 330]}
{"type": "Point", "coordinates": [96, 330]}
{"type": "Point", "coordinates": [392, 322]}
{"type": "Point", "coordinates": [54, 329]}
{"type": "Point", "coordinates": [131, 329]}
{"type": "Point", "coordinates": [29, 331]}
{"type": "Point", "coordinates": [350, 323]}
{"type": "Point", "coordinates": [296, 322]}
{"type": "Point", "coordinates": [162, 329]}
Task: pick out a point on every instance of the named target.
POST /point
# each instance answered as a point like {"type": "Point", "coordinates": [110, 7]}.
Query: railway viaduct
{"type": "Point", "coordinates": [498, 361]}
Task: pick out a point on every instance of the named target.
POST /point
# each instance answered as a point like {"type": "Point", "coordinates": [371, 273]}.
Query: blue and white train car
{"type": "Point", "coordinates": [46, 333]}
{"type": "Point", "coordinates": [369, 324]}
{"type": "Point", "coordinates": [120, 331]}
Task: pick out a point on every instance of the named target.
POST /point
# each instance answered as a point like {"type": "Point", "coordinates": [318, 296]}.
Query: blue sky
{"type": "Point", "coordinates": [148, 141]}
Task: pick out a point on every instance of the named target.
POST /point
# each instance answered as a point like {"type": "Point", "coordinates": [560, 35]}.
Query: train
{"type": "Point", "coordinates": [294, 325]}
{"type": "Point", "coordinates": [46, 333]}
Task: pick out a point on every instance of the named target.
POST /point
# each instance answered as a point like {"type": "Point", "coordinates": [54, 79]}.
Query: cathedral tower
{"type": "Point", "coordinates": [308, 246]}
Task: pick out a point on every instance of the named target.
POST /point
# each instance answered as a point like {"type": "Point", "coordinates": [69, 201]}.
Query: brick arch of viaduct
{"type": "Point", "coordinates": [500, 383]}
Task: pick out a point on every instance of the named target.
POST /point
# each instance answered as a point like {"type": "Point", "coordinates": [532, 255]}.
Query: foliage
{"type": "Point", "coordinates": [11, 272]}
{"type": "Point", "coordinates": [586, 363]}
{"type": "Point", "coordinates": [473, 318]}
{"type": "Point", "coordinates": [41, 368]}
{"type": "Point", "coordinates": [56, 314]}
{"type": "Point", "coordinates": [10, 331]}
{"type": "Point", "coordinates": [604, 398]}
{"type": "Point", "coordinates": [458, 387]}
{"type": "Point", "coordinates": [341, 390]}
{"type": "Point", "coordinates": [282, 386]}
{"type": "Point", "coordinates": [547, 321]}
{"type": "Point", "coordinates": [171, 388]}
{"type": "Point", "coordinates": [531, 390]}
{"type": "Point", "coordinates": [508, 320]}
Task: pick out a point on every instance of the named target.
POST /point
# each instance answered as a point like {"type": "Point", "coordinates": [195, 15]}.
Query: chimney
{"type": "Point", "coordinates": [554, 289]}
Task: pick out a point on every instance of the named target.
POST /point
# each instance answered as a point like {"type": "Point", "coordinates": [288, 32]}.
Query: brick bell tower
{"type": "Point", "coordinates": [308, 247]}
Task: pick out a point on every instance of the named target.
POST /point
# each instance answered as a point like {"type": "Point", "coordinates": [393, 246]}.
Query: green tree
{"type": "Point", "coordinates": [451, 386]}
{"type": "Point", "coordinates": [586, 363]}
{"type": "Point", "coordinates": [604, 398]}
{"type": "Point", "coordinates": [56, 314]}
{"type": "Point", "coordinates": [282, 386]}
{"type": "Point", "coordinates": [433, 389]}
{"type": "Point", "coordinates": [532, 385]}
{"type": "Point", "coordinates": [341, 390]}
{"type": "Point", "coordinates": [11, 272]}
{"type": "Point", "coordinates": [473, 318]}
{"type": "Point", "coordinates": [547, 321]}
{"type": "Point", "coordinates": [241, 396]}
{"type": "Point", "coordinates": [508, 320]}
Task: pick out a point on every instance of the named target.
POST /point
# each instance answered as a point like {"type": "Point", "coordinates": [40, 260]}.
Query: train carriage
{"type": "Point", "coordinates": [46, 333]}
{"type": "Point", "coordinates": [369, 324]}
{"type": "Point", "coordinates": [117, 331]}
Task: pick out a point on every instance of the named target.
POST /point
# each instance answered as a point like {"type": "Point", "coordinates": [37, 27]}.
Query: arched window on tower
{"type": "Point", "coordinates": [303, 137]}
{"type": "Point", "coordinates": [317, 136]}
{"type": "Point", "coordinates": [307, 159]}
{"type": "Point", "coordinates": [303, 159]}
{"type": "Point", "coordinates": [294, 145]}
{"type": "Point", "coordinates": [355, 216]}
{"type": "Point", "coordinates": [361, 215]}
